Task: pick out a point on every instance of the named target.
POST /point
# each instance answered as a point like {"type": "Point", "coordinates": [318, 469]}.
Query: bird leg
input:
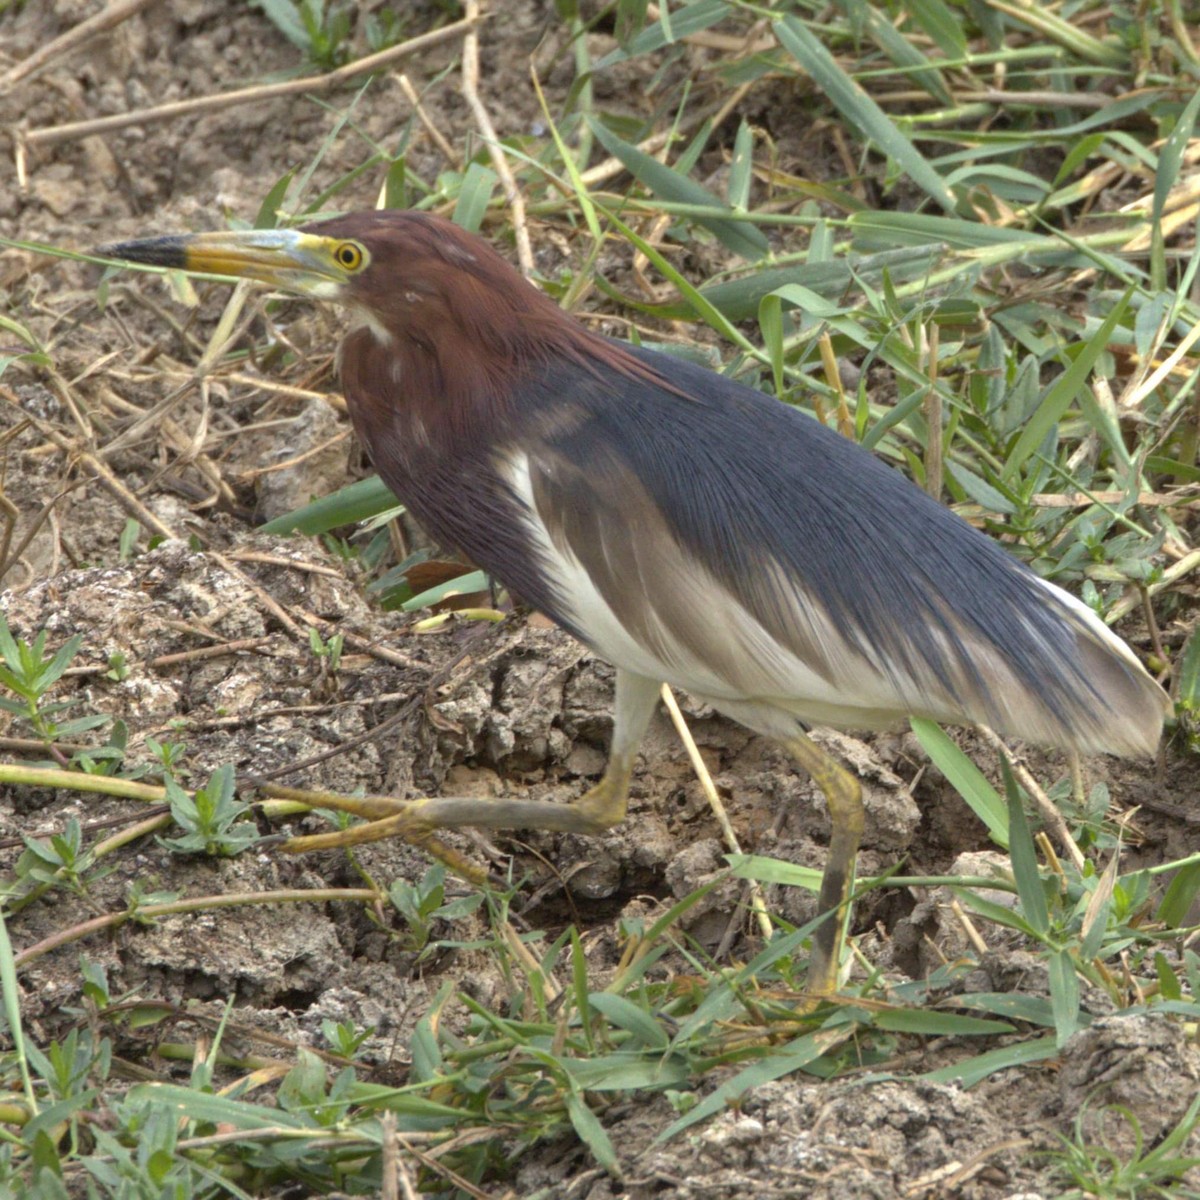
{"type": "Point", "coordinates": [415, 820]}
{"type": "Point", "coordinates": [843, 794]}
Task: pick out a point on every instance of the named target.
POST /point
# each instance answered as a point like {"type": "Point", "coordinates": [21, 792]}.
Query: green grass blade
{"type": "Point", "coordinates": [626, 1072]}
{"type": "Point", "coordinates": [905, 55]}
{"type": "Point", "coordinates": [1170, 160]}
{"type": "Point", "coordinates": [1024, 856]}
{"type": "Point", "coordinates": [794, 1056]}
{"type": "Point", "coordinates": [859, 109]}
{"type": "Point", "coordinates": [965, 776]}
{"type": "Point", "coordinates": [592, 1133]}
{"type": "Point", "coordinates": [467, 582]}
{"type": "Point", "coordinates": [474, 196]}
{"type": "Point", "coordinates": [1188, 687]}
{"type": "Point", "coordinates": [1033, 1010]}
{"type": "Point", "coordinates": [623, 1013]}
{"type": "Point", "coordinates": [194, 1105]}
{"type": "Point", "coordinates": [347, 506]}
{"type": "Point", "coordinates": [1064, 995]}
{"type": "Point", "coordinates": [944, 27]}
{"type": "Point", "coordinates": [691, 18]}
{"type": "Point", "coordinates": [1180, 895]}
{"type": "Point", "coordinates": [926, 1022]}
{"type": "Point", "coordinates": [1065, 389]}
{"type": "Point", "coordinates": [741, 168]}
{"type": "Point", "coordinates": [741, 237]}
{"type": "Point", "coordinates": [970, 1071]}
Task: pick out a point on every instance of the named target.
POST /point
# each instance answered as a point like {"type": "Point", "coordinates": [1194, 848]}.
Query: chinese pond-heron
{"type": "Point", "coordinates": [684, 527]}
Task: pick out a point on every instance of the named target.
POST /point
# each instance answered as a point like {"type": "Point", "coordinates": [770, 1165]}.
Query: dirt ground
{"type": "Point", "coordinates": [517, 708]}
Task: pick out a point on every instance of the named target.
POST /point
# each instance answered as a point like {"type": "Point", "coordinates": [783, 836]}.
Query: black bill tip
{"type": "Point", "coordinates": [154, 252]}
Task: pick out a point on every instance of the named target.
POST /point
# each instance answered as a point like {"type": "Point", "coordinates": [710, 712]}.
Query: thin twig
{"type": "Point", "coordinates": [757, 903]}
{"type": "Point", "coordinates": [114, 14]}
{"type": "Point", "coordinates": [470, 91]}
{"type": "Point", "coordinates": [200, 104]}
{"type": "Point", "coordinates": [1171, 576]}
{"type": "Point", "coordinates": [449, 153]}
{"type": "Point", "coordinates": [1046, 807]}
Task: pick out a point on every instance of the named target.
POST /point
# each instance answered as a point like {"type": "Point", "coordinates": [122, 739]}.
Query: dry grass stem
{"type": "Point", "coordinates": [251, 95]}
{"type": "Point", "coordinates": [470, 91]}
{"type": "Point", "coordinates": [757, 901]}
{"type": "Point", "coordinates": [451, 155]}
{"type": "Point", "coordinates": [1046, 807]}
{"type": "Point", "coordinates": [102, 22]}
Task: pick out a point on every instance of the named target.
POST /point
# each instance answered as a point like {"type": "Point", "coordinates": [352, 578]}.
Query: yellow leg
{"type": "Point", "coordinates": [415, 820]}
{"type": "Point", "coordinates": [843, 793]}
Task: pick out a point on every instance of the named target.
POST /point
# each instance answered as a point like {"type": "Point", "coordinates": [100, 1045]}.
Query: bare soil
{"type": "Point", "coordinates": [517, 709]}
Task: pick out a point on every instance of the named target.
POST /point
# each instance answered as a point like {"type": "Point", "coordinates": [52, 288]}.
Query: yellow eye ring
{"type": "Point", "coordinates": [349, 256]}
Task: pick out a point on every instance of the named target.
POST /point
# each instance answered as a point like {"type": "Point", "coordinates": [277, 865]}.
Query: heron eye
{"type": "Point", "coordinates": [349, 255]}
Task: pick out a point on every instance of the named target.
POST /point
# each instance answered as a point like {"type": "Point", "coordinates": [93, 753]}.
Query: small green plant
{"type": "Point", "coordinates": [383, 29]}
{"type": "Point", "coordinates": [139, 1157]}
{"type": "Point", "coordinates": [60, 860]}
{"type": "Point", "coordinates": [127, 545]}
{"type": "Point", "coordinates": [108, 759]}
{"type": "Point", "coordinates": [66, 1068]}
{"type": "Point", "coordinates": [30, 674]}
{"type": "Point", "coordinates": [328, 653]}
{"type": "Point", "coordinates": [420, 904]}
{"type": "Point", "coordinates": [1187, 703]}
{"type": "Point", "coordinates": [118, 667]}
{"type": "Point", "coordinates": [169, 756]}
{"type": "Point", "coordinates": [1106, 1173]}
{"type": "Point", "coordinates": [329, 657]}
{"type": "Point", "coordinates": [318, 28]}
{"type": "Point", "coordinates": [305, 1089]}
{"type": "Point", "coordinates": [212, 819]}
{"type": "Point", "coordinates": [343, 1038]}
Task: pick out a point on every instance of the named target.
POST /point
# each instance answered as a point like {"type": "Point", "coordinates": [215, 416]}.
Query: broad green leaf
{"type": "Point", "coordinates": [774, 870]}
{"type": "Point", "coordinates": [1064, 995]}
{"type": "Point", "coordinates": [284, 15]}
{"type": "Point", "coordinates": [1189, 674]}
{"type": "Point", "coordinates": [770, 324]}
{"type": "Point", "coordinates": [346, 506]}
{"type": "Point", "coordinates": [942, 25]}
{"type": "Point", "coordinates": [469, 581]}
{"type": "Point", "coordinates": [621, 1072]}
{"type": "Point", "coordinates": [1034, 1010]}
{"type": "Point", "coordinates": [194, 1105]}
{"type": "Point", "coordinates": [623, 1013]}
{"type": "Point", "coordinates": [929, 1022]}
{"type": "Point", "coordinates": [990, 910]}
{"type": "Point", "coordinates": [474, 195]}
{"type": "Point", "coordinates": [1183, 888]}
{"type": "Point", "coordinates": [395, 184]}
{"type": "Point", "coordinates": [592, 1133]}
{"type": "Point", "coordinates": [970, 1071]}
{"type": "Point", "coordinates": [978, 488]}
{"type": "Point", "coordinates": [741, 169]}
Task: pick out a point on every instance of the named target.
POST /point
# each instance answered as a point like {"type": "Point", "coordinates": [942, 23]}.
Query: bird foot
{"type": "Point", "coordinates": [416, 820]}
{"type": "Point", "coordinates": [383, 817]}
